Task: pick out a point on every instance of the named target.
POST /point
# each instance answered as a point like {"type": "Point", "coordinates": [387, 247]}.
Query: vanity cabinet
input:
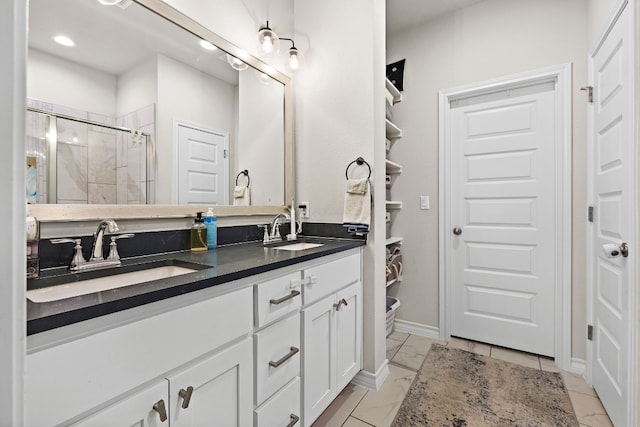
{"type": "Point", "coordinates": [182, 345]}
{"type": "Point", "coordinates": [215, 395]}
{"type": "Point", "coordinates": [332, 332]}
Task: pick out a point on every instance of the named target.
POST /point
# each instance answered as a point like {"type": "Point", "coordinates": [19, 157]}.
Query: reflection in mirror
{"type": "Point", "coordinates": [141, 111]}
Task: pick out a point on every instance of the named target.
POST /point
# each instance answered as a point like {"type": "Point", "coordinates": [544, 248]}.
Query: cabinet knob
{"type": "Point", "coordinates": [161, 409]}
{"type": "Point", "coordinates": [294, 420]}
{"type": "Point", "coordinates": [186, 396]}
{"type": "Point", "coordinates": [340, 303]}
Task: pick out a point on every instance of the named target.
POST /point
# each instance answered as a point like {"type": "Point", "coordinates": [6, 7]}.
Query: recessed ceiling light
{"type": "Point", "coordinates": [109, 2]}
{"type": "Point", "coordinates": [207, 45]}
{"type": "Point", "coordinates": [64, 40]}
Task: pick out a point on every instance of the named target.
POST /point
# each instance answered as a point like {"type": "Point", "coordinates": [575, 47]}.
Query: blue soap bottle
{"type": "Point", "coordinates": [212, 229]}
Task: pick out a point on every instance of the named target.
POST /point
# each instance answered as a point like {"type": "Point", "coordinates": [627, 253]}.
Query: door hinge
{"type": "Point", "coordinates": [590, 332]}
{"type": "Point", "coordinates": [589, 90]}
{"type": "Point", "coordinates": [590, 211]}
{"type": "Point", "coordinates": [225, 153]}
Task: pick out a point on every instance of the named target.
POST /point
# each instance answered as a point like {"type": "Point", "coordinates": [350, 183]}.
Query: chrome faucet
{"type": "Point", "coordinates": [96, 260]}
{"type": "Point", "coordinates": [96, 250]}
{"type": "Point", "coordinates": [274, 235]}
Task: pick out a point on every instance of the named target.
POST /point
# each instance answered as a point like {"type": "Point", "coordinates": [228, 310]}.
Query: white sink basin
{"type": "Point", "coordinates": [89, 286]}
{"type": "Point", "coordinates": [298, 246]}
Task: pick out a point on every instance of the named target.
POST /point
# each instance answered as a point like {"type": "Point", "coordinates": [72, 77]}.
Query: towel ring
{"type": "Point", "coordinates": [245, 173]}
{"type": "Point", "coordinates": [359, 161]}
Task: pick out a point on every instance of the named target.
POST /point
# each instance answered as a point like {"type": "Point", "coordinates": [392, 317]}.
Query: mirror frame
{"type": "Point", "coordinates": [64, 213]}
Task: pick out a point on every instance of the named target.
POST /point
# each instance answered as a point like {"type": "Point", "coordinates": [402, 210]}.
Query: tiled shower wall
{"type": "Point", "coordinates": [95, 164]}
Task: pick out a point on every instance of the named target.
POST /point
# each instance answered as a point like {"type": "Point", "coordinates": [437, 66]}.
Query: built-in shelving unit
{"type": "Point", "coordinates": [394, 133]}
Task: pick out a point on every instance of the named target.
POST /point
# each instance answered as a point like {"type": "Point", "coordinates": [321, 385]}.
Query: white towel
{"type": "Point", "coordinates": [357, 206]}
{"type": "Point", "coordinates": [241, 195]}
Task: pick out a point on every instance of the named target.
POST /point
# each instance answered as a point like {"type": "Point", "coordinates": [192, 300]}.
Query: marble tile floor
{"type": "Point", "coordinates": [359, 407]}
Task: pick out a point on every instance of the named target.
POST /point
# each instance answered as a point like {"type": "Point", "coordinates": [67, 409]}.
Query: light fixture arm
{"type": "Point", "coordinates": [293, 44]}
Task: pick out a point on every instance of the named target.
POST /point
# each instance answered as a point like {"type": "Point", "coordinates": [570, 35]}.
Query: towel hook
{"type": "Point", "coordinates": [245, 173]}
{"type": "Point", "coordinates": [359, 161]}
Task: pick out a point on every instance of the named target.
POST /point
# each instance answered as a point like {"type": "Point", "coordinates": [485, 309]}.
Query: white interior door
{"type": "Point", "coordinates": [503, 202]}
{"type": "Point", "coordinates": [202, 166]}
{"type": "Point", "coordinates": [611, 177]}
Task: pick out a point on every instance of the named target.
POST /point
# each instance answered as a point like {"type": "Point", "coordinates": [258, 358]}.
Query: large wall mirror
{"type": "Point", "coordinates": [150, 108]}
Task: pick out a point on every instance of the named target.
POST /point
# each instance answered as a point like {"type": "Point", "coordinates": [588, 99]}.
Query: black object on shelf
{"type": "Point", "coordinates": [395, 73]}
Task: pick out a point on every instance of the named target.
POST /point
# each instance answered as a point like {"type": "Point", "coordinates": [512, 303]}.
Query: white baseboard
{"type": "Point", "coordinates": [372, 381]}
{"type": "Point", "coordinates": [578, 365]}
{"type": "Point", "coordinates": [416, 329]}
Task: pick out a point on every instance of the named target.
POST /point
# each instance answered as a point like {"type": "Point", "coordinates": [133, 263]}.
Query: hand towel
{"type": "Point", "coordinates": [241, 195]}
{"type": "Point", "coordinates": [357, 206]}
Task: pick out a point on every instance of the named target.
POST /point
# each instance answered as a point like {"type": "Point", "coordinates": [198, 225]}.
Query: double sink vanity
{"type": "Point", "coordinates": [242, 335]}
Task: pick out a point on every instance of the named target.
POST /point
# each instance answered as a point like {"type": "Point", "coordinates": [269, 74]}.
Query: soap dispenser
{"type": "Point", "coordinates": [211, 223]}
{"type": "Point", "coordinates": [198, 234]}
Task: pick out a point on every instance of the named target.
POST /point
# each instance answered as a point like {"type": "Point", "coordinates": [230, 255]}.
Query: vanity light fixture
{"type": "Point", "coordinates": [269, 44]}
{"type": "Point", "coordinates": [294, 55]}
{"type": "Point", "coordinates": [268, 40]}
{"type": "Point", "coordinates": [64, 40]}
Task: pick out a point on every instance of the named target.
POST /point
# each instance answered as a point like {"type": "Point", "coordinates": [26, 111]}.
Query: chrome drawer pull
{"type": "Point", "coordinates": [186, 396]}
{"type": "Point", "coordinates": [286, 357]}
{"type": "Point", "coordinates": [294, 420]}
{"type": "Point", "coordinates": [161, 409]}
{"type": "Point", "coordinates": [293, 294]}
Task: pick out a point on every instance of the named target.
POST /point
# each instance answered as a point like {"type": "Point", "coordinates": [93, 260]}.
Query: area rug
{"type": "Point", "coordinates": [458, 388]}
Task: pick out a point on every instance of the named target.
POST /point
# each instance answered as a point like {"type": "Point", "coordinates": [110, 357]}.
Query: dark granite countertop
{"type": "Point", "coordinates": [228, 263]}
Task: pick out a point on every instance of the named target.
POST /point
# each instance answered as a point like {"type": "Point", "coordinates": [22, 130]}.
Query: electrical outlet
{"type": "Point", "coordinates": [304, 209]}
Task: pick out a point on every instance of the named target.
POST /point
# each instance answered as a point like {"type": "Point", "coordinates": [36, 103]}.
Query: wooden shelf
{"type": "Point", "coordinates": [393, 131]}
{"type": "Point", "coordinates": [393, 240]}
{"type": "Point", "coordinates": [393, 167]}
{"type": "Point", "coordinates": [392, 204]}
{"type": "Point", "coordinates": [396, 96]}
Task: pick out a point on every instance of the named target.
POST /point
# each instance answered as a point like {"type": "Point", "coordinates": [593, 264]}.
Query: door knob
{"type": "Point", "coordinates": [457, 231]}
{"type": "Point", "coordinates": [624, 249]}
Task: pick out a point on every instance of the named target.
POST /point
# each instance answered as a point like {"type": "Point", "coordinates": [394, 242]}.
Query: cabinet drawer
{"type": "Point", "coordinates": [327, 278]}
{"type": "Point", "coordinates": [283, 409]}
{"type": "Point", "coordinates": [277, 298]}
{"type": "Point", "coordinates": [279, 345]}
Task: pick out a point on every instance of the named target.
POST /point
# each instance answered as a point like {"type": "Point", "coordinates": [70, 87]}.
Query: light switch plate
{"type": "Point", "coordinates": [424, 202]}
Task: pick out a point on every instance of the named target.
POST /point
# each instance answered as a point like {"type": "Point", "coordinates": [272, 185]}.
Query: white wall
{"type": "Point", "coordinates": [340, 116]}
{"type": "Point", "coordinates": [56, 80]}
{"type": "Point", "coordinates": [137, 87]}
{"type": "Point", "coordinates": [190, 96]}
{"type": "Point", "coordinates": [489, 39]}
{"type": "Point", "coordinates": [13, 48]}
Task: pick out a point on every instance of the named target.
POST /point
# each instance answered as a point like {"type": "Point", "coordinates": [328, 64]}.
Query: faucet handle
{"type": "Point", "coordinates": [65, 240]}
{"type": "Point", "coordinates": [78, 258]}
{"type": "Point", "coordinates": [265, 237]}
{"type": "Point", "coordinates": [113, 247]}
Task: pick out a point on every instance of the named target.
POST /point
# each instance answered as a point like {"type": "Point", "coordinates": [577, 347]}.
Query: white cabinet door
{"type": "Point", "coordinates": [319, 358]}
{"type": "Point", "coordinates": [136, 410]}
{"type": "Point", "coordinates": [348, 334]}
{"type": "Point", "coordinates": [216, 392]}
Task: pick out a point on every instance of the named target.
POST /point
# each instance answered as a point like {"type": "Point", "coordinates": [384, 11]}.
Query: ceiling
{"type": "Point", "coordinates": [403, 14]}
{"type": "Point", "coordinates": [114, 39]}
